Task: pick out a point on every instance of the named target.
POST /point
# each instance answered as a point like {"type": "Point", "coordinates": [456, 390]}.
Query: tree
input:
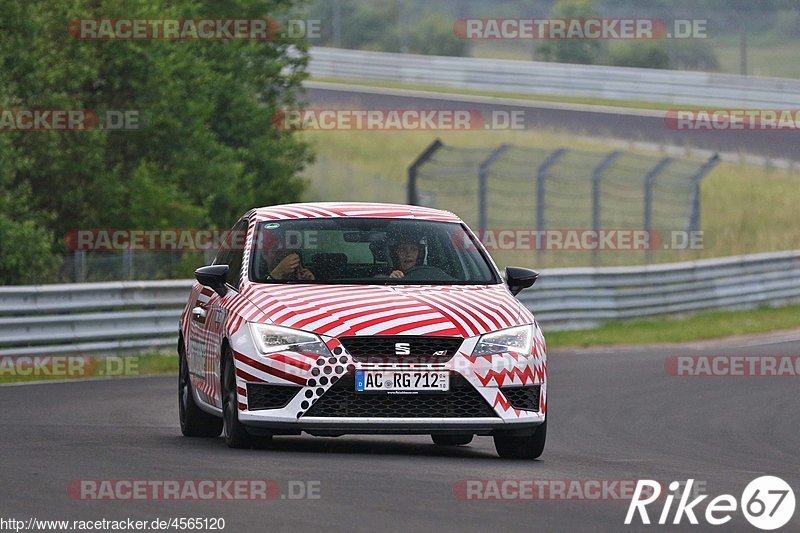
{"type": "Point", "coordinates": [206, 149]}
{"type": "Point", "coordinates": [586, 51]}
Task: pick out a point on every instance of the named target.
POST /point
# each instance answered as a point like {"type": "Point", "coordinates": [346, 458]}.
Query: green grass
{"type": "Point", "coordinates": [143, 365]}
{"type": "Point", "coordinates": [702, 326]}
{"type": "Point", "coordinates": [776, 60]}
{"type": "Point", "coordinates": [744, 209]}
{"type": "Point", "coordinates": [550, 98]}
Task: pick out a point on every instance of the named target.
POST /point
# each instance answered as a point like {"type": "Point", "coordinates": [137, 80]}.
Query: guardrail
{"type": "Point", "coordinates": [532, 77]}
{"type": "Point", "coordinates": [108, 317]}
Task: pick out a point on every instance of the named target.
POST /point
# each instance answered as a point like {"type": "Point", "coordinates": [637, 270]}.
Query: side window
{"type": "Point", "coordinates": [233, 254]}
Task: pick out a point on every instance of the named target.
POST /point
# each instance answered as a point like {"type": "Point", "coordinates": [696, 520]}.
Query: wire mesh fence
{"type": "Point", "coordinates": [536, 201]}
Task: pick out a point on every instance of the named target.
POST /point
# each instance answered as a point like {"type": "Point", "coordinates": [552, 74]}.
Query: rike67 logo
{"type": "Point", "coordinates": [767, 502]}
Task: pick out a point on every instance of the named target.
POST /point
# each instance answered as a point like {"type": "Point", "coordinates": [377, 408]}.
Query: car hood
{"type": "Point", "coordinates": [346, 310]}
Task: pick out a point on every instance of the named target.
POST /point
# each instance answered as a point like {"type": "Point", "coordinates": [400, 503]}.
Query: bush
{"type": "Point", "coordinates": [433, 35]}
{"type": "Point", "coordinates": [694, 54]}
{"type": "Point", "coordinates": [26, 248]}
{"type": "Point", "coordinates": [642, 54]}
{"type": "Point", "coordinates": [587, 52]}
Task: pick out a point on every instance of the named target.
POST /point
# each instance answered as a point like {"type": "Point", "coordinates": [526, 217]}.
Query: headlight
{"type": "Point", "coordinates": [271, 339]}
{"type": "Point", "coordinates": [516, 340]}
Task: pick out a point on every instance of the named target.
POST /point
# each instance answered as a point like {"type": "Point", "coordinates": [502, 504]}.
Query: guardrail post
{"type": "Point", "coordinates": [483, 176]}
{"type": "Point", "coordinates": [541, 175]}
{"type": "Point", "coordinates": [411, 188]}
{"type": "Point", "coordinates": [597, 175]}
{"type": "Point", "coordinates": [693, 221]}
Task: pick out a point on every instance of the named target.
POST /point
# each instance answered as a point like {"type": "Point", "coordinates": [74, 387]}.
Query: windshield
{"type": "Point", "coordinates": [371, 251]}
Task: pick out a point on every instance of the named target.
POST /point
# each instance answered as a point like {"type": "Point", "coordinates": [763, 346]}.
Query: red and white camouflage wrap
{"type": "Point", "coordinates": [335, 311]}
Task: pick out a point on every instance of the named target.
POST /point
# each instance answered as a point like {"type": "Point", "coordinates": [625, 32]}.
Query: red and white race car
{"type": "Point", "coordinates": [338, 318]}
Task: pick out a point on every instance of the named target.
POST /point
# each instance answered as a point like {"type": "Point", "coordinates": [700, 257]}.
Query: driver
{"type": "Point", "coordinates": [406, 254]}
{"type": "Point", "coordinates": [286, 265]}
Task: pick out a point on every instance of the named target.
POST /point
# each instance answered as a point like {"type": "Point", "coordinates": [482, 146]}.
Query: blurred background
{"type": "Point", "coordinates": [205, 149]}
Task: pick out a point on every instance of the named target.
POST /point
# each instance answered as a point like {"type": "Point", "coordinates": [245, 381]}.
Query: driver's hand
{"type": "Point", "coordinates": [397, 274]}
{"type": "Point", "coordinates": [286, 266]}
{"type": "Point", "coordinates": [305, 274]}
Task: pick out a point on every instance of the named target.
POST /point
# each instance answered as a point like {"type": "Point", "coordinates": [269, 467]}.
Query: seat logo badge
{"type": "Point", "coordinates": [402, 348]}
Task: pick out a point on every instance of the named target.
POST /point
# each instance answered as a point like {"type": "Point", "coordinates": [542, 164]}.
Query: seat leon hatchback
{"type": "Point", "coordinates": [343, 318]}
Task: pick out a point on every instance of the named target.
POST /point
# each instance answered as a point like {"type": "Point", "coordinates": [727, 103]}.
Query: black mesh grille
{"type": "Point", "coordinates": [462, 401]}
{"type": "Point", "coordinates": [263, 396]}
{"type": "Point", "coordinates": [383, 349]}
{"type": "Point", "coordinates": [526, 398]}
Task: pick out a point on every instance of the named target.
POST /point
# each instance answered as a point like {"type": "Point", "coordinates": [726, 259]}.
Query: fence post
{"type": "Point", "coordinates": [411, 187]}
{"type": "Point", "coordinates": [79, 265]}
{"type": "Point", "coordinates": [693, 222]}
{"type": "Point", "coordinates": [597, 174]}
{"type": "Point", "coordinates": [483, 175]}
{"type": "Point", "coordinates": [541, 175]}
{"type": "Point", "coordinates": [649, 179]}
{"type": "Point", "coordinates": [127, 264]}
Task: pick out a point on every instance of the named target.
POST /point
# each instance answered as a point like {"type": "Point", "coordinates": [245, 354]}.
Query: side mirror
{"type": "Point", "coordinates": [213, 277]}
{"type": "Point", "coordinates": [520, 278]}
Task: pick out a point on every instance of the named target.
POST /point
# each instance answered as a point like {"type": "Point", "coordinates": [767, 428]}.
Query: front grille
{"type": "Point", "coordinates": [264, 396]}
{"type": "Point", "coordinates": [462, 401]}
{"type": "Point", "coordinates": [526, 398]}
{"type": "Point", "coordinates": [383, 349]}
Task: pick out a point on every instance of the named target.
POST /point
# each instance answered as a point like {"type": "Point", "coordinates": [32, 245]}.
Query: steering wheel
{"type": "Point", "coordinates": [427, 272]}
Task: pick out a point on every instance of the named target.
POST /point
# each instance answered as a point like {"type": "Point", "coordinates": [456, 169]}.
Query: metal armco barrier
{"type": "Point", "coordinates": [109, 317]}
{"type": "Point", "coordinates": [535, 77]}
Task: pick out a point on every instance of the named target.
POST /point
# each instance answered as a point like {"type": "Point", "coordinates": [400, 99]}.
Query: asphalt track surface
{"type": "Point", "coordinates": [593, 121]}
{"type": "Point", "coordinates": [616, 415]}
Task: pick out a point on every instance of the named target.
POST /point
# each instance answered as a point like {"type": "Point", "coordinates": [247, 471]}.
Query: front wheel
{"type": "Point", "coordinates": [194, 421]}
{"type": "Point", "coordinates": [521, 447]}
{"type": "Point", "coordinates": [236, 435]}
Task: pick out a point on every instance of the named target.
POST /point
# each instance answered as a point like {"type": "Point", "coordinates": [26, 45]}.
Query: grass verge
{"type": "Point", "coordinates": [744, 209]}
{"type": "Point", "coordinates": [77, 367]}
{"type": "Point", "coordinates": [546, 98]}
{"type": "Point", "coordinates": [673, 329]}
{"type": "Point", "coordinates": [676, 329]}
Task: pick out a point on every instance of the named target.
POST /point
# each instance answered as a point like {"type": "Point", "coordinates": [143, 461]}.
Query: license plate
{"type": "Point", "coordinates": [401, 381]}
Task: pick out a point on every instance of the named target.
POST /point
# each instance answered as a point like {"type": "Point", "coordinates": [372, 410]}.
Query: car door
{"type": "Point", "coordinates": [207, 323]}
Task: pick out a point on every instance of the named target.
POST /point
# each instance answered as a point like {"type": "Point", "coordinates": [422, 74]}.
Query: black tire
{"type": "Point", "coordinates": [194, 421]}
{"type": "Point", "coordinates": [236, 435]}
{"type": "Point", "coordinates": [452, 440]}
{"type": "Point", "coordinates": [521, 447]}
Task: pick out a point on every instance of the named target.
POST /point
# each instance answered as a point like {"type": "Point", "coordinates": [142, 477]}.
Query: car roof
{"type": "Point", "coordinates": [351, 209]}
